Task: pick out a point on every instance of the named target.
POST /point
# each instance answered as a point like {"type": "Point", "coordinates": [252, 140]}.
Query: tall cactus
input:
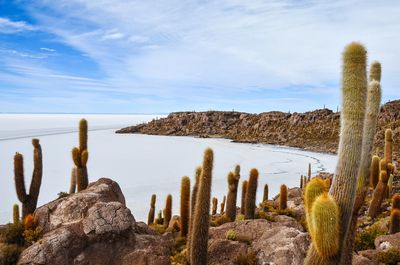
{"type": "Point", "coordinates": [201, 222]}
{"type": "Point", "coordinates": [344, 185]}
{"type": "Point", "coordinates": [80, 157]}
{"type": "Point", "coordinates": [374, 172]}
{"type": "Point", "coordinates": [152, 211]}
{"type": "Point", "coordinates": [283, 196]}
{"type": "Point", "coordinates": [168, 210]}
{"type": "Point", "coordinates": [245, 184]}
{"type": "Point", "coordinates": [222, 210]}
{"type": "Point", "coordinates": [265, 194]}
{"type": "Point", "coordinates": [378, 195]}
{"type": "Point", "coordinates": [16, 218]}
{"type": "Point", "coordinates": [192, 208]}
{"type": "Point", "coordinates": [185, 204]}
{"type": "Point", "coordinates": [29, 201]}
{"type": "Point", "coordinates": [214, 206]}
{"type": "Point", "coordinates": [233, 181]}
{"type": "Point", "coordinates": [250, 207]}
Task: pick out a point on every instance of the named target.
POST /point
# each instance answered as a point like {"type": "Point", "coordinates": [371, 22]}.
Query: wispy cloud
{"type": "Point", "coordinates": [47, 49]}
{"type": "Point", "coordinates": [8, 26]}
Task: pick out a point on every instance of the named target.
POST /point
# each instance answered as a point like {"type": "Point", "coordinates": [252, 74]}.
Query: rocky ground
{"type": "Point", "coordinates": [94, 227]}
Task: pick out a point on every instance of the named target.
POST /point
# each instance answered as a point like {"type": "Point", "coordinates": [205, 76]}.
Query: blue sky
{"type": "Point", "coordinates": [119, 56]}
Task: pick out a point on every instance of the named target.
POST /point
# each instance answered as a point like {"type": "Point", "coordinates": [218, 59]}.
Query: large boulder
{"type": "Point", "coordinates": [94, 227]}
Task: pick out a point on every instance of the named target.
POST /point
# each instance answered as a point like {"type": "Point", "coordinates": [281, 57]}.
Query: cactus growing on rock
{"type": "Point", "coordinates": [152, 211]}
{"type": "Point", "coordinates": [29, 201]}
{"type": "Point", "coordinates": [72, 186]}
{"type": "Point", "coordinates": [168, 210]}
{"type": "Point", "coordinates": [16, 217]}
{"type": "Point", "coordinates": [80, 157]}
{"type": "Point", "coordinates": [245, 184]}
{"type": "Point", "coordinates": [283, 196]}
{"type": "Point", "coordinates": [344, 185]}
{"type": "Point", "coordinates": [394, 226]}
{"type": "Point", "coordinates": [185, 204]}
{"type": "Point", "coordinates": [201, 222]}
{"type": "Point", "coordinates": [374, 171]}
{"type": "Point", "coordinates": [250, 204]}
{"type": "Point", "coordinates": [233, 181]}
{"type": "Point", "coordinates": [378, 195]}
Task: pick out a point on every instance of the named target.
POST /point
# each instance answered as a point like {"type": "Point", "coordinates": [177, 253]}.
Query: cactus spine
{"type": "Point", "coordinates": [374, 172]}
{"type": "Point", "coordinates": [344, 185]}
{"type": "Point", "coordinates": [201, 222]}
{"type": "Point", "coordinates": [185, 203]}
{"type": "Point", "coordinates": [152, 211]}
{"type": "Point", "coordinates": [394, 226]}
{"type": "Point", "coordinates": [251, 194]}
{"type": "Point", "coordinates": [214, 206]}
{"type": "Point", "coordinates": [16, 214]}
{"type": "Point", "coordinates": [233, 181]}
{"type": "Point", "coordinates": [243, 198]}
{"type": "Point", "coordinates": [80, 157]}
{"type": "Point", "coordinates": [378, 195]}
{"type": "Point", "coordinates": [168, 210]}
{"type": "Point", "coordinates": [29, 201]}
{"type": "Point", "coordinates": [283, 198]}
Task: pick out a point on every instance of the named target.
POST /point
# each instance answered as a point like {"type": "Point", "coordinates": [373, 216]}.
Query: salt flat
{"type": "Point", "coordinates": [141, 164]}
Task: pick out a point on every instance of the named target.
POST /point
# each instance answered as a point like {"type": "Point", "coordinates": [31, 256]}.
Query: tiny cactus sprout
{"type": "Point", "coordinates": [251, 194]}
{"type": "Point", "coordinates": [283, 196]}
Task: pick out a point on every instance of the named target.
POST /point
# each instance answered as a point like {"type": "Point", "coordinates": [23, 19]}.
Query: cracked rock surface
{"type": "Point", "coordinates": [94, 227]}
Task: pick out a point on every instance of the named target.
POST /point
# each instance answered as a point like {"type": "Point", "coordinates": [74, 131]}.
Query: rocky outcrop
{"type": "Point", "coordinates": [315, 130]}
{"type": "Point", "coordinates": [95, 227]}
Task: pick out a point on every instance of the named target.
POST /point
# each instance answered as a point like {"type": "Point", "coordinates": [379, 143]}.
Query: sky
{"type": "Point", "coordinates": [121, 56]}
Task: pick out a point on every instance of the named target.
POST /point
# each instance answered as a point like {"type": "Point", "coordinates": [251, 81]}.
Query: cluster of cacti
{"type": "Point", "coordinates": [80, 157]}
{"type": "Point", "coordinates": [342, 193]}
{"type": "Point", "coordinates": [394, 226]}
{"type": "Point", "coordinates": [245, 183]}
{"type": "Point", "coordinates": [185, 204]}
{"type": "Point", "coordinates": [283, 196]}
{"type": "Point", "coordinates": [29, 201]}
{"type": "Point", "coordinates": [201, 219]}
{"type": "Point", "coordinates": [168, 210]}
{"type": "Point", "coordinates": [250, 202]}
{"type": "Point", "coordinates": [152, 211]}
{"type": "Point", "coordinates": [233, 181]}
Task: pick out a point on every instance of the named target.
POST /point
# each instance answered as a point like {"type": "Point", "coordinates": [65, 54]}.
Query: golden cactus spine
{"type": "Point", "coordinates": [283, 196]}
{"type": "Point", "coordinates": [378, 195]}
{"type": "Point", "coordinates": [201, 222]}
{"type": "Point", "coordinates": [243, 198]}
{"type": "Point", "coordinates": [394, 226]}
{"type": "Point", "coordinates": [152, 211]}
{"type": "Point", "coordinates": [374, 172]}
{"type": "Point", "coordinates": [16, 218]}
{"type": "Point", "coordinates": [344, 185]}
{"type": "Point", "coordinates": [233, 181]}
{"type": "Point", "coordinates": [250, 207]}
{"type": "Point", "coordinates": [168, 210]}
{"type": "Point", "coordinates": [185, 204]}
{"type": "Point", "coordinates": [29, 201]}
{"type": "Point", "coordinates": [80, 157]}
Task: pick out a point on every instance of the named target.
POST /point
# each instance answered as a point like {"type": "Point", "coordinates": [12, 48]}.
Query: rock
{"type": "Point", "coordinates": [94, 227]}
{"type": "Point", "coordinates": [281, 242]}
{"type": "Point", "coordinates": [360, 260]}
{"type": "Point", "coordinates": [385, 242]}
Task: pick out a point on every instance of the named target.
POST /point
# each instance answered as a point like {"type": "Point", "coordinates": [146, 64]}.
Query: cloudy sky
{"type": "Point", "coordinates": [120, 56]}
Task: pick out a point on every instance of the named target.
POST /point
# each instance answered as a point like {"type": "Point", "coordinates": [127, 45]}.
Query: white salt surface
{"type": "Point", "coordinates": [141, 164]}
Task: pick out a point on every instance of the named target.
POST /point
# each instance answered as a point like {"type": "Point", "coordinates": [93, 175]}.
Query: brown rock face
{"type": "Point", "coordinates": [95, 227]}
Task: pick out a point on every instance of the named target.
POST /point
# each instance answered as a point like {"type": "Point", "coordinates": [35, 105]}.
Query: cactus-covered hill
{"type": "Point", "coordinates": [316, 130]}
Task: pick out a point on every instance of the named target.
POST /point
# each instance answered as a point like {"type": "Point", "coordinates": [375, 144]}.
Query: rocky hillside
{"type": "Point", "coordinates": [316, 130]}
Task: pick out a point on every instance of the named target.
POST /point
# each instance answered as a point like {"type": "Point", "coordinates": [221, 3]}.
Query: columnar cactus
{"type": "Point", "coordinates": [192, 208]}
{"type": "Point", "coordinates": [80, 157]}
{"type": "Point", "coordinates": [309, 171]}
{"type": "Point", "coordinates": [223, 205]}
{"type": "Point", "coordinates": [283, 196]}
{"type": "Point", "coordinates": [199, 233]}
{"type": "Point", "coordinates": [16, 217]}
{"type": "Point", "coordinates": [388, 145]}
{"type": "Point", "coordinates": [396, 201]}
{"type": "Point", "coordinates": [168, 210]}
{"type": "Point", "coordinates": [214, 206]}
{"type": "Point", "coordinates": [233, 181]}
{"type": "Point", "coordinates": [185, 204]}
{"type": "Point", "coordinates": [344, 185]}
{"type": "Point", "coordinates": [243, 198]}
{"type": "Point", "coordinates": [378, 195]}
{"type": "Point", "coordinates": [250, 206]}
{"type": "Point", "coordinates": [265, 194]}
{"type": "Point", "coordinates": [29, 201]}
{"type": "Point", "coordinates": [374, 171]}
{"type": "Point", "coordinates": [152, 211]}
{"type": "Point", "coordinates": [301, 182]}
{"type": "Point", "coordinates": [394, 226]}
{"type": "Point", "coordinates": [313, 189]}
{"type": "Point", "coordinates": [375, 71]}
{"type": "Point", "coordinates": [72, 186]}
